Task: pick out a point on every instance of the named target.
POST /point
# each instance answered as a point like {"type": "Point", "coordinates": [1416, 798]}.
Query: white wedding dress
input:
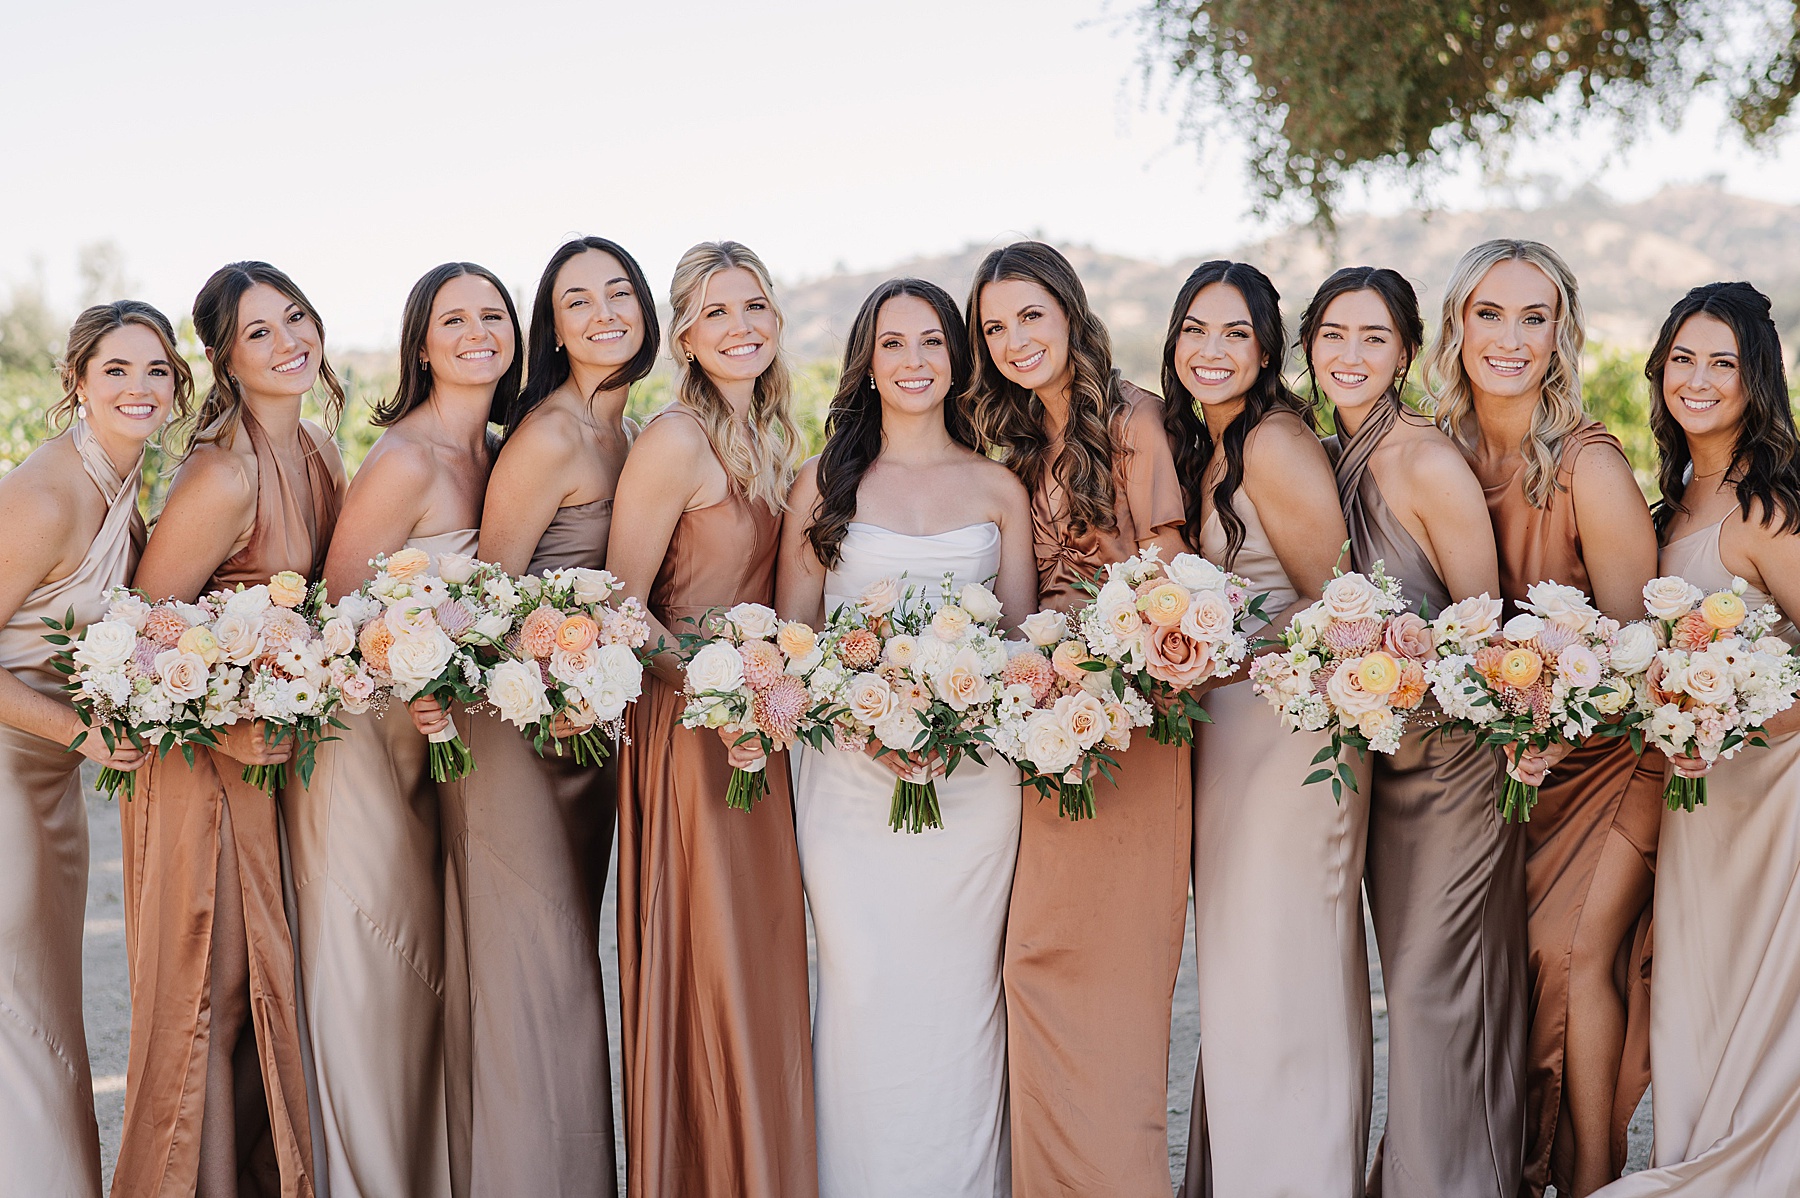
{"type": "Point", "coordinates": [909, 1036]}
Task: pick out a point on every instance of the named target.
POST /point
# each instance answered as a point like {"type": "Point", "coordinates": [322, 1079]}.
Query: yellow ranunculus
{"type": "Point", "coordinates": [1378, 673]}
{"type": "Point", "coordinates": [287, 589]}
{"type": "Point", "coordinates": [1723, 610]}
{"type": "Point", "coordinates": [200, 641]}
{"type": "Point", "coordinates": [1163, 604]}
{"type": "Point", "coordinates": [1520, 668]}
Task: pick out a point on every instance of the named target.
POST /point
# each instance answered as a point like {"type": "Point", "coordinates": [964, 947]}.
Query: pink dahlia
{"type": "Point", "coordinates": [778, 709]}
{"type": "Point", "coordinates": [164, 625]}
{"type": "Point", "coordinates": [1033, 670]}
{"type": "Point", "coordinates": [1352, 638]}
{"type": "Point", "coordinates": [860, 650]}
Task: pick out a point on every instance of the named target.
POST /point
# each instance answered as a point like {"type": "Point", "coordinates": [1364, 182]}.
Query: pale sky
{"type": "Point", "coordinates": [357, 144]}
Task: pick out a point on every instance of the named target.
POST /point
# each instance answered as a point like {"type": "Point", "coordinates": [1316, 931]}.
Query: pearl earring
{"type": "Point", "coordinates": [690, 355]}
{"type": "Point", "coordinates": [81, 409]}
{"type": "Point", "coordinates": [871, 378]}
{"type": "Point", "coordinates": [559, 347]}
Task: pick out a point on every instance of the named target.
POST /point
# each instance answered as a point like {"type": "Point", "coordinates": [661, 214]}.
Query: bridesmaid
{"type": "Point", "coordinates": [909, 1041]}
{"type": "Point", "coordinates": [367, 858]}
{"type": "Point", "coordinates": [526, 838]}
{"type": "Point", "coordinates": [1565, 507]}
{"type": "Point", "coordinates": [712, 930]}
{"type": "Point", "coordinates": [1285, 1033]}
{"type": "Point", "coordinates": [74, 533]}
{"type": "Point", "coordinates": [1093, 940]}
{"type": "Point", "coordinates": [257, 493]}
{"type": "Point", "coordinates": [1445, 876]}
{"type": "Point", "coordinates": [1725, 1015]}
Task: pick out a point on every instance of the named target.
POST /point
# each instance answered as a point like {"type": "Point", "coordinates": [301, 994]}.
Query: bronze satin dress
{"type": "Point", "coordinates": [1282, 1090]}
{"type": "Point", "coordinates": [1093, 935]}
{"type": "Point", "coordinates": [526, 840]}
{"type": "Point", "coordinates": [369, 902]}
{"type": "Point", "coordinates": [1446, 885]}
{"type": "Point", "coordinates": [1600, 787]}
{"type": "Point", "coordinates": [49, 1143]}
{"type": "Point", "coordinates": [171, 854]}
{"type": "Point", "coordinates": [712, 928]}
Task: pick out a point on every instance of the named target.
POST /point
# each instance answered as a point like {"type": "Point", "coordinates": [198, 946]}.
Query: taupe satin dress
{"type": "Point", "coordinates": [369, 896]}
{"type": "Point", "coordinates": [49, 1144]}
{"type": "Point", "coordinates": [526, 840]}
{"type": "Point", "coordinates": [1446, 885]}
{"type": "Point", "coordinates": [1725, 1014]}
{"type": "Point", "coordinates": [171, 853]}
{"type": "Point", "coordinates": [1282, 1089]}
{"type": "Point", "coordinates": [1093, 935]}
{"type": "Point", "coordinates": [1600, 787]}
{"type": "Point", "coordinates": [712, 928]}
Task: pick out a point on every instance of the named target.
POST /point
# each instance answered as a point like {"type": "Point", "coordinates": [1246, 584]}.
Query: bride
{"type": "Point", "coordinates": [909, 1057]}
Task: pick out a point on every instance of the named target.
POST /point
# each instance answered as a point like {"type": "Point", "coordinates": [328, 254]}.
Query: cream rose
{"type": "Point", "coordinates": [592, 586]}
{"type": "Point", "coordinates": [517, 691]}
{"type": "Point", "coordinates": [415, 660]}
{"type": "Point", "coordinates": [1208, 619]}
{"type": "Point", "coordinates": [1085, 718]}
{"type": "Point", "coordinates": [1563, 606]}
{"type": "Point", "coordinates": [1522, 628]}
{"type": "Point", "coordinates": [338, 636]}
{"type": "Point", "coordinates": [1045, 628]}
{"type": "Point", "coordinates": [1048, 744]}
{"type": "Point", "coordinates": [880, 597]}
{"type": "Point", "coordinates": [870, 699]}
{"type": "Point", "coordinates": [1352, 597]}
{"type": "Point", "coordinates": [239, 637]}
{"type": "Point", "coordinates": [1633, 647]}
{"type": "Point", "coordinates": [456, 568]}
{"type": "Point", "coordinates": [1708, 680]}
{"type": "Point", "coordinates": [1578, 666]}
{"type": "Point", "coordinates": [1194, 572]}
{"type": "Point", "coordinates": [752, 621]}
{"type": "Point", "coordinates": [129, 609]}
{"type": "Point", "coordinates": [979, 602]}
{"type": "Point", "coordinates": [718, 667]}
{"type": "Point", "coordinates": [1671, 597]}
{"type": "Point", "coordinates": [251, 601]}
{"type": "Point", "coordinates": [182, 675]}
{"type": "Point", "coordinates": [965, 684]}
{"type": "Point", "coordinates": [106, 645]}
{"type": "Point", "coordinates": [950, 623]}
{"type": "Point", "coordinates": [1346, 692]}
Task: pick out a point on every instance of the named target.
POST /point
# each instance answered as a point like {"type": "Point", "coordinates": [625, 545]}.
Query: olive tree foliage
{"type": "Point", "coordinates": [1325, 92]}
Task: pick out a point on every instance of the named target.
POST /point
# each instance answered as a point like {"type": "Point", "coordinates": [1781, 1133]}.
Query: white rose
{"type": "Point", "coordinates": [338, 636]}
{"type": "Point", "coordinates": [717, 667]}
{"type": "Point", "coordinates": [870, 699]}
{"type": "Point", "coordinates": [592, 586]}
{"type": "Point", "coordinates": [415, 660]}
{"type": "Point", "coordinates": [752, 621]}
{"type": "Point", "coordinates": [1633, 647]}
{"type": "Point", "coordinates": [1563, 606]}
{"type": "Point", "coordinates": [620, 667]}
{"type": "Point", "coordinates": [517, 691]}
{"type": "Point", "coordinates": [456, 568]}
{"type": "Point", "coordinates": [1194, 572]}
{"type": "Point", "coordinates": [239, 637]}
{"type": "Point", "coordinates": [1612, 699]}
{"type": "Point", "coordinates": [1476, 619]}
{"type": "Point", "coordinates": [251, 601]}
{"type": "Point", "coordinates": [965, 684]}
{"type": "Point", "coordinates": [979, 602]}
{"type": "Point", "coordinates": [1708, 679]}
{"type": "Point", "coordinates": [182, 675]}
{"type": "Point", "coordinates": [880, 597]}
{"type": "Point", "coordinates": [1774, 646]}
{"type": "Point", "coordinates": [1522, 627]}
{"type": "Point", "coordinates": [607, 701]}
{"type": "Point", "coordinates": [1578, 666]}
{"type": "Point", "coordinates": [107, 645]}
{"type": "Point", "coordinates": [1208, 619]}
{"type": "Point", "coordinates": [127, 608]}
{"type": "Point", "coordinates": [1671, 597]}
{"type": "Point", "coordinates": [1352, 597]}
{"type": "Point", "coordinates": [1045, 628]}
{"type": "Point", "coordinates": [1048, 744]}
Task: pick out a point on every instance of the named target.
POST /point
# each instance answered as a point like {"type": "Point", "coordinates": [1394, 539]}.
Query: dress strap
{"type": "Point", "coordinates": [97, 463]}
{"type": "Point", "coordinates": [1353, 457]}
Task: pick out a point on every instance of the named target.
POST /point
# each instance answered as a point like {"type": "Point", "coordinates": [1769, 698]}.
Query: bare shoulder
{"type": "Point", "coordinates": [397, 459]}
{"type": "Point", "coordinates": [998, 483]}
{"type": "Point", "coordinates": [214, 474]}
{"type": "Point", "coordinates": [1432, 456]}
{"type": "Point", "coordinates": [804, 491]}
{"type": "Point", "coordinates": [38, 492]}
{"type": "Point", "coordinates": [1600, 462]}
{"type": "Point", "coordinates": [672, 437]}
{"type": "Point", "coordinates": [1283, 440]}
{"type": "Point", "coordinates": [547, 438]}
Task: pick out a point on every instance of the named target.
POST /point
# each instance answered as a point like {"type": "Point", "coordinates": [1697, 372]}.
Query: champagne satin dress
{"type": "Point", "coordinates": [369, 902]}
{"type": "Point", "coordinates": [49, 1143]}
{"type": "Point", "coordinates": [526, 840]}
{"type": "Point", "coordinates": [1093, 938]}
{"type": "Point", "coordinates": [1446, 884]}
{"type": "Point", "coordinates": [712, 925]}
{"type": "Point", "coordinates": [1282, 1089]}
{"type": "Point", "coordinates": [1725, 1014]}
{"type": "Point", "coordinates": [171, 854]}
{"type": "Point", "coordinates": [1600, 787]}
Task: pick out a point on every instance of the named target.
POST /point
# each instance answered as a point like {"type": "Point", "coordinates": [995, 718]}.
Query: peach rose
{"type": "Point", "coordinates": [577, 633]}
{"type": "Point", "coordinates": [408, 563]}
{"type": "Point", "coordinates": [1176, 658]}
{"type": "Point", "coordinates": [1208, 618]}
{"type": "Point", "coordinates": [797, 640]}
{"type": "Point", "coordinates": [1409, 636]}
{"type": "Point", "coordinates": [1163, 603]}
{"type": "Point", "coordinates": [1066, 660]}
{"type": "Point", "coordinates": [1085, 718]}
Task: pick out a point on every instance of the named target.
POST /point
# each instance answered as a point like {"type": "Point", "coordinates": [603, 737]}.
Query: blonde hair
{"type": "Point", "coordinates": [83, 342]}
{"type": "Point", "coordinates": [1559, 410]}
{"type": "Point", "coordinates": [762, 454]}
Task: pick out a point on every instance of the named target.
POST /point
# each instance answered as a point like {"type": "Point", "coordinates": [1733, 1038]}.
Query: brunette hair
{"type": "Point", "coordinates": [415, 324]}
{"type": "Point", "coordinates": [1766, 457]}
{"type": "Point", "coordinates": [853, 434]}
{"type": "Point", "coordinates": [216, 324]}
{"type": "Point", "coordinates": [1394, 291]}
{"type": "Point", "coordinates": [83, 342]}
{"type": "Point", "coordinates": [1189, 436]}
{"type": "Point", "coordinates": [1010, 418]}
{"type": "Point", "coordinates": [548, 363]}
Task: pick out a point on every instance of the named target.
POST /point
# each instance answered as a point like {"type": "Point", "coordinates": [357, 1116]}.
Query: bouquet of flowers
{"type": "Point", "coordinates": [751, 678]}
{"type": "Point", "coordinates": [421, 633]}
{"type": "Point", "coordinates": [573, 655]}
{"type": "Point", "coordinates": [1354, 664]}
{"type": "Point", "coordinates": [920, 678]}
{"type": "Point", "coordinates": [1553, 674]}
{"type": "Point", "coordinates": [1063, 712]}
{"type": "Point", "coordinates": [1716, 677]}
{"type": "Point", "coordinates": [1169, 627]}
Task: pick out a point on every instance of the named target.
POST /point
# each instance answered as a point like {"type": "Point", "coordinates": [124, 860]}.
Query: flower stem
{"type": "Point", "coordinates": [267, 778]}
{"type": "Point", "coordinates": [747, 786]}
{"type": "Point", "coordinates": [1685, 793]}
{"type": "Point", "coordinates": [915, 807]}
{"type": "Point", "coordinates": [451, 759]}
{"type": "Point", "coordinates": [1076, 801]}
{"type": "Point", "coordinates": [112, 781]}
{"type": "Point", "coordinates": [1517, 800]}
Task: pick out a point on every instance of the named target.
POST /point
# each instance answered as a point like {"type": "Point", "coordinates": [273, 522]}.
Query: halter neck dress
{"type": "Point", "coordinates": [1446, 885]}
{"type": "Point", "coordinates": [712, 927]}
{"type": "Point", "coordinates": [172, 841]}
{"type": "Point", "coordinates": [49, 1142]}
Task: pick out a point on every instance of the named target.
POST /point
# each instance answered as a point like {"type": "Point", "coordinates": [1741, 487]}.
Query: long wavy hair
{"type": "Point", "coordinates": [1766, 457]}
{"type": "Point", "coordinates": [1194, 442]}
{"type": "Point", "coordinates": [415, 325]}
{"type": "Point", "coordinates": [216, 324]}
{"type": "Point", "coordinates": [1559, 411]}
{"type": "Point", "coordinates": [547, 365]}
{"type": "Point", "coordinates": [83, 342]}
{"type": "Point", "coordinates": [1010, 418]}
{"type": "Point", "coordinates": [761, 454]}
{"type": "Point", "coordinates": [1402, 304]}
{"type": "Point", "coordinates": [853, 433]}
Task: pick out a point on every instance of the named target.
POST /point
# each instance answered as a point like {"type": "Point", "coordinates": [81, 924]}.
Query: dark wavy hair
{"type": "Point", "coordinates": [853, 427]}
{"type": "Point", "coordinates": [547, 366]}
{"type": "Point", "coordinates": [1189, 436]}
{"type": "Point", "coordinates": [216, 324]}
{"type": "Point", "coordinates": [1403, 313]}
{"type": "Point", "coordinates": [1010, 418]}
{"type": "Point", "coordinates": [1766, 458]}
{"type": "Point", "coordinates": [415, 323]}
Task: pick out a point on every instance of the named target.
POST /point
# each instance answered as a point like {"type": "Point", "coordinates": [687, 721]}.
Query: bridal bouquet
{"type": "Point", "coordinates": [573, 655]}
{"type": "Point", "coordinates": [1553, 674]}
{"type": "Point", "coordinates": [1169, 627]}
{"type": "Point", "coordinates": [1716, 677]}
{"type": "Point", "coordinates": [921, 678]}
{"type": "Point", "coordinates": [752, 679]}
{"type": "Point", "coordinates": [1063, 713]}
{"type": "Point", "coordinates": [421, 633]}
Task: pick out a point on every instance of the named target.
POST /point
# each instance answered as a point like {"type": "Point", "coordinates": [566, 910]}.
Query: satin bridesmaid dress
{"type": "Point", "coordinates": [49, 1142]}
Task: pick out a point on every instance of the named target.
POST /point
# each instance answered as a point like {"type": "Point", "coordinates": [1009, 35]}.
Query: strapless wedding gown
{"type": "Point", "coordinates": [909, 1034]}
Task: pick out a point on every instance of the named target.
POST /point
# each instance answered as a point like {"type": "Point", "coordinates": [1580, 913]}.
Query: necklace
{"type": "Point", "coordinates": [1697, 477]}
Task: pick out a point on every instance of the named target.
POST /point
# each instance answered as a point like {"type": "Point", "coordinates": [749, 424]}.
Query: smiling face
{"type": "Point", "coordinates": [1509, 330]}
{"type": "Point", "coordinates": [734, 337]}
{"type": "Point", "coordinates": [1702, 387]}
{"type": "Point", "coordinates": [1216, 352]}
{"type": "Point", "coordinates": [470, 341]}
{"type": "Point", "coordinates": [1357, 353]}
{"type": "Point", "coordinates": [911, 362]}
{"type": "Point", "coordinates": [278, 347]}
{"type": "Point", "coordinates": [127, 387]}
{"type": "Point", "coordinates": [599, 322]}
{"type": "Point", "coordinates": [1027, 334]}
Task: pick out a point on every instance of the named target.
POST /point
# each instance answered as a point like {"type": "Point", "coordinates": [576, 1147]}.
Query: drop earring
{"type": "Point", "coordinates": [81, 409]}
{"type": "Point", "coordinates": [871, 378]}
